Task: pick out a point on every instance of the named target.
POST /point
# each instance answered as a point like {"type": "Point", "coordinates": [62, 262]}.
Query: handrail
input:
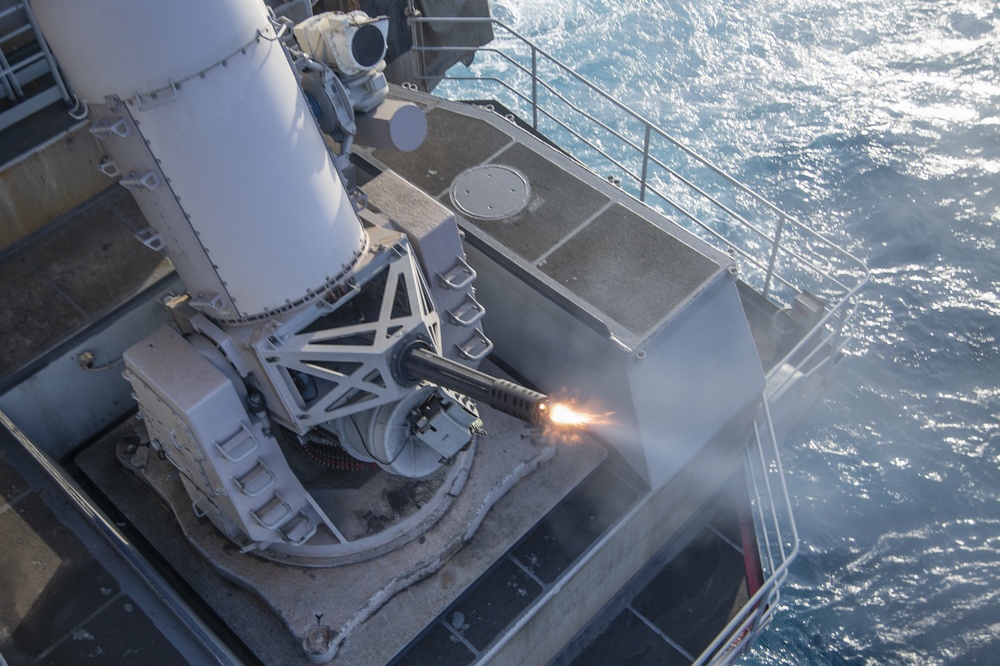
{"type": "Point", "coordinates": [780, 256]}
{"type": "Point", "coordinates": [23, 104]}
{"type": "Point", "coordinates": [776, 524]}
{"type": "Point", "coordinates": [535, 51]}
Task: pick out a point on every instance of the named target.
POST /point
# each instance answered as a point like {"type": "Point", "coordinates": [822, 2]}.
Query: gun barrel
{"type": "Point", "coordinates": [505, 396]}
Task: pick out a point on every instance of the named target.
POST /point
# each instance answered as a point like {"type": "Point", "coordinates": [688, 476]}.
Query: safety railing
{"type": "Point", "coordinates": [777, 542]}
{"type": "Point", "coordinates": [777, 254]}
{"type": "Point", "coordinates": [25, 59]}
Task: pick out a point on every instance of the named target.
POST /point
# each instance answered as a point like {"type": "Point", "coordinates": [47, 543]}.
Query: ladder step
{"type": "Point", "coordinates": [273, 513]}
{"type": "Point", "coordinates": [298, 530]}
{"type": "Point", "coordinates": [239, 446]}
{"type": "Point", "coordinates": [458, 277]}
{"type": "Point", "coordinates": [468, 313]}
{"type": "Point", "coordinates": [256, 481]}
{"type": "Point", "coordinates": [476, 348]}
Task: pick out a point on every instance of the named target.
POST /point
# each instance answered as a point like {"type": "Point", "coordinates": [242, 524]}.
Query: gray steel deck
{"type": "Point", "coordinates": [68, 597]}
{"type": "Point", "coordinates": [70, 274]}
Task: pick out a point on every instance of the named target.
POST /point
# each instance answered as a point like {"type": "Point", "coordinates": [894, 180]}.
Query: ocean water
{"type": "Point", "coordinates": [878, 123]}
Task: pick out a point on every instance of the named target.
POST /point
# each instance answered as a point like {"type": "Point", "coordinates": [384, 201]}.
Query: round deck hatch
{"type": "Point", "coordinates": [490, 192]}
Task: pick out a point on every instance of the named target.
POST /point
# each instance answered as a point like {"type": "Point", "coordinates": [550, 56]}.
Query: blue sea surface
{"type": "Point", "coordinates": [877, 122]}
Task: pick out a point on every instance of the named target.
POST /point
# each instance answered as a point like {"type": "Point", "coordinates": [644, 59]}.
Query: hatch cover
{"type": "Point", "coordinates": [490, 192]}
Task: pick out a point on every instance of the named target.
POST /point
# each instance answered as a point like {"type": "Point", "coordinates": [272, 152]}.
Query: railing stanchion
{"type": "Point", "coordinates": [645, 163]}
{"type": "Point", "coordinates": [534, 88]}
{"type": "Point", "coordinates": [774, 255]}
{"type": "Point", "coordinates": [51, 59]}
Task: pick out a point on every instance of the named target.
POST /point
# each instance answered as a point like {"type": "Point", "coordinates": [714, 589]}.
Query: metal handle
{"type": "Point", "coordinates": [154, 97]}
{"type": "Point", "coordinates": [475, 358]}
{"type": "Point", "coordinates": [468, 313]}
{"type": "Point", "coordinates": [458, 269]}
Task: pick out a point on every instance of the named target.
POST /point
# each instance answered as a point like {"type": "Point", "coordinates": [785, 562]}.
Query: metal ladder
{"type": "Point", "coordinates": [25, 64]}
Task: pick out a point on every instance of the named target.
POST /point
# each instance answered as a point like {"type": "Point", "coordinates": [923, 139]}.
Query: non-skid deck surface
{"type": "Point", "coordinates": [66, 598]}
{"type": "Point", "coordinates": [75, 270]}
{"type": "Point", "coordinates": [572, 230]}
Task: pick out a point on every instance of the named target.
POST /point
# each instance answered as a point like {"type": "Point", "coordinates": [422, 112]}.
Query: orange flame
{"type": "Point", "coordinates": [565, 419]}
{"type": "Point", "coordinates": [561, 413]}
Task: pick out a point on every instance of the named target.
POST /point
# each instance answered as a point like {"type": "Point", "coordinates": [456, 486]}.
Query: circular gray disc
{"type": "Point", "coordinates": [490, 192]}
